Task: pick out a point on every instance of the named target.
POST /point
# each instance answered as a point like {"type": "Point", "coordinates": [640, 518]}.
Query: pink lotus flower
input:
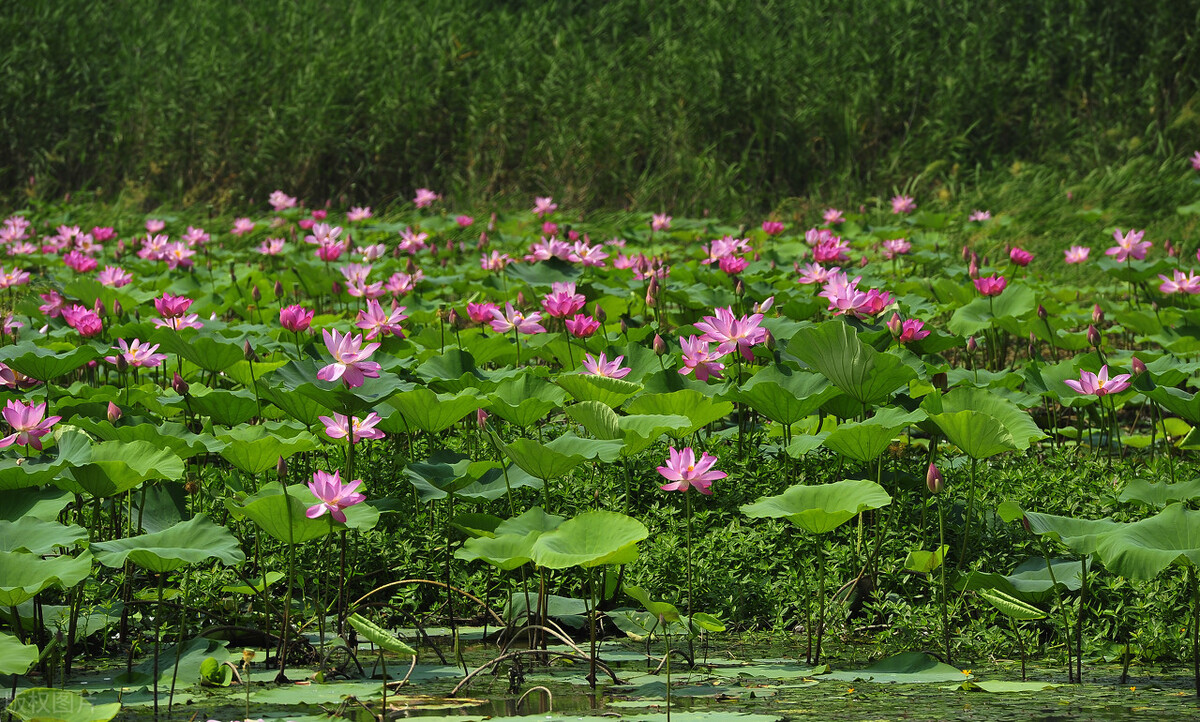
{"type": "Point", "coordinates": [685, 471]}
{"type": "Point", "coordinates": [80, 262]}
{"type": "Point", "coordinates": [138, 354]}
{"type": "Point", "coordinates": [153, 225]}
{"type": "Point", "coordinates": [581, 326]}
{"type": "Point", "coordinates": [114, 277]}
{"type": "Point", "coordinates": [28, 424]}
{"type": "Point", "coordinates": [425, 198]}
{"type": "Point", "coordinates": [1020, 256]}
{"type": "Point", "coordinates": [903, 204]}
{"type": "Point", "coordinates": [660, 222]}
{"type": "Point", "coordinates": [896, 247]}
{"type": "Point", "coordinates": [242, 226]}
{"type": "Point", "coordinates": [85, 321]}
{"type": "Point", "coordinates": [730, 333]}
{"type": "Point", "coordinates": [464, 221]}
{"type": "Point", "coordinates": [544, 206]}
{"type": "Point", "coordinates": [1196, 160]}
{"type": "Point", "coordinates": [178, 255]}
{"type": "Point", "coordinates": [53, 306]}
{"type": "Point", "coordinates": [910, 330]}
{"type": "Point", "coordinates": [496, 262]}
{"type": "Point", "coordinates": [991, 285]}
{"type": "Point", "coordinates": [832, 216]}
{"type": "Point", "coordinates": [281, 201]}
{"type": "Point", "coordinates": [587, 254]}
{"type": "Point", "coordinates": [603, 367]}
{"type": "Point", "coordinates": [411, 241]}
{"type": "Point", "coordinates": [375, 321]}
{"type": "Point", "coordinates": [339, 427]}
{"type": "Point", "coordinates": [196, 236]}
{"type": "Point", "coordinates": [545, 249]}
{"type": "Point", "coordinates": [978, 216]}
{"type": "Point", "coordinates": [1076, 254]}
{"type": "Point", "coordinates": [562, 301]}
{"type": "Point", "coordinates": [550, 228]}
{"type": "Point", "coordinates": [349, 359]}
{"type": "Point", "coordinates": [834, 250]}
{"type": "Point", "coordinates": [334, 495]}
{"type": "Point", "coordinates": [733, 264]}
{"type": "Point", "coordinates": [772, 228]}
{"type": "Point", "coordinates": [513, 319]}
{"type": "Point", "coordinates": [178, 323]}
{"type": "Point", "coordinates": [358, 213]}
{"type": "Point", "coordinates": [271, 246]}
{"type": "Point", "coordinates": [1129, 245]}
{"type": "Point", "coordinates": [1099, 384]}
{"type": "Point", "coordinates": [103, 233]}
{"type": "Point", "coordinates": [1180, 282]}
{"type": "Point", "coordinates": [482, 312]}
{"type": "Point", "coordinates": [295, 318]}
{"type": "Point", "coordinates": [169, 306]}
{"type": "Point", "coordinates": [815, 273]}
{"type": "Point", "coordinates": [765, 305]}
{"type": "Point", "coordinates": [699, 358]}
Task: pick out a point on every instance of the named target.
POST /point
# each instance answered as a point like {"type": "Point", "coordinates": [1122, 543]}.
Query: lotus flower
{"type": "Point", "coordinates": [1076, 254]}
{"type": "Point", "coordinates": [685, 471]}
{"type": "Point", "coordinates": [603, 367]}
{"type": "Point", "coordinates": [1099, 384]}
{"type": "Point", "coordinates": [334, 495]}
{"type": "Point", "coordinates": [295, 318]}
{"type": "Point", "coordinates": [350, 364]}
{"type": "Point", "coordinates": [341, 426]}
{"type": "Point", "coordinates": [28, 423]}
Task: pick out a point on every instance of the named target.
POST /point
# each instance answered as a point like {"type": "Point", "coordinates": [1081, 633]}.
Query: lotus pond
{"type": "Point", "coordinates": [322, 463]}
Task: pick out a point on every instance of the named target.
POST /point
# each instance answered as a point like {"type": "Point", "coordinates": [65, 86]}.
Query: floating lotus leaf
{"type": "Point", "coordinates": [907, 668]}
{"type": "Point", "coordinates": [834, 350]}
{"type": "Point", "coordinates": [33, 535]}
{"type": "Point", "coordinates": [43, 704]}
{"type": "Point", "coordinates": [820, 508]}
{"type": "Point", "coordinates": [283, 517]}
{"type": "Point", "coordinates": [23, 575]}
{"type": "Point", "coordinates": [189, 542]}
{"type": "Point", "coordinates": [591, 539]}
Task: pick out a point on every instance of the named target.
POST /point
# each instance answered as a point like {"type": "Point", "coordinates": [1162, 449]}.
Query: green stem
{"type": "Point", "coordinates": [1058, 599]}
{"type": "Point", "coordinates": [942, 546]}
{"type": "Point", "coordinates": [157, 625]}
{"type": "Point", "coordinates": [820, 599]}
{"type": "Point", "coordinates": [962, 554]}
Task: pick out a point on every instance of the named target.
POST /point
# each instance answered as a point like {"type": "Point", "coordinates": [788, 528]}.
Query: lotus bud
{"type": "Point", "coordinates": [1097, 314]}
{"type": "Point", "coordinates": [862, 262]}
{"type": "Point", "coordinates": [966, 253]}
{"type": "Point", "coordinates": [624, 327]}
{"type": "Point", "coordinates": [940, 381]}
{"type": "Point", "coordinates": [1042, 313]}
{"type": "Point", "coordinates": [598, 313]}
{"type": "Point", "coordinates": [1139, 367]}
{"type": "Point", "coordinates": [278, 289]}
{"type": "Point", "coordinates": [649, 297]}
{"type": "Point", "coordinates": [739, 288]}
{"type": "Point", "coordinates": [180, 386]}
{"type": "Point", "coordinates": [973, 269]}
{"type": "Point", "coordinates": [256, 294]}
{"type": "Point", "coordinates": [232, 272]}
{"type": "Point", "coordinates": [114, 412]}
{"type": "Point", "coordinates": [934, 481]}
{"type": "Point", "coordinates": [491, 226]}
{"type": "Point", "coordinates": [770, 341]}
{"type": "Point", "coordinates": [660, 346]}
{"type": "Point", "coordinates": [895, 325]}
{"type": "Point", "coordinates": [281, 468]}
{"type": "Point", "coordinates": [1093, 336]}
{"type": "Point", "coordinates": [481, 418]}
{"type": "Point", "coordinates": [972, 345]}
{"type": "Point", "coordinates": [452, 318]}
{"type": "Point", "coordinates": [482, 241]}
{"type": "Point", "coordinates": [117, 307]}
{"type": "Point", "coordinates": [122, 364]}
{"type": "Point", "coordinates": [336, 288]}
{"type": "Point", "coordinates": [248, 351]}
{"type": "Point", "coordinates": [410, 268]}
{"type": "Point", "coordinates": [520, 299]}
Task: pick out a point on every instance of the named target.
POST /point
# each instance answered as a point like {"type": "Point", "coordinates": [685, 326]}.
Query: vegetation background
{"type": "Point", "coordinates": [725, 105]}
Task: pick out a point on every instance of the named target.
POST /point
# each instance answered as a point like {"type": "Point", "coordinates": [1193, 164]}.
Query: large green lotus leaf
{"type": "Point", "coordinates": [1019, 424]}
{"type": "Point", "coordinates": [608, 391]}
{"type": "Point", "coordinates": [223, 406]}
{"type": "Point", "coordinates": [1011, 606]}
{"type": "Point", "coordinates": [524, 400]}
{"type": "Point", "coordinates": [1177, 401]}
{"type": "Point", "coordinates": [44, 504]}
{"type": "Point", "coordinates": [44, 364]}
{"type": "Point", "coordinates": [545, 273]}
{"type": "Point", "coordinates": [1016, 301]}
{"type": "Point", "coordinates": [43, 704]}
{"type": "Point", "coordinates": [16, 658]}
{"type": "Point", "coordinates": [36, 536]}
{"type": "Point", "coordinates": [284, 518]}
{"type": "Point", "coordinates": [552, 460]}
{"type": "Point", "coordinates": [591, 539]}
{"type": "Point", "coordinates": [171, 435]}
{"type": "Point", "coordinates": [379, 636]}
{"type": "Point", "coordinates": [300, 407]}
{"type": "Point", "coordinates": [1048, 380]}
{"type": "Point", "coordinates": [191, 655]}
{"type": "Point", "coordinates": [666, 610]}
{"type": "Point", "coordinates": [866, 440]}
{"type": "Point", "coordinates": [258, 448]}
{"type": "Point", "coordinates": [300, 376]}
{"type": "Point", "coordinates": [1143, 549]}
{"type": "Point", "coordinates": [248, 374]}
{"type": "Point", "coordinates": [597, 418]}
{"type": "Point", "coordinates": [424, 410]}
{"type": "Point", "coordinates": [189, 542]}
{"type": "Point", "coordinates": [834, 350]}
{"type": "Point", "coordinates": [820, 508]}
{"type": "Point", "coordinates": [786, 396]}
{"type": "Point", "coordinates": [504, 551]}
{"type": "Point", "coordinates": [23, 575]}
{"type": "Point", "coordinates": [805, 443]}
{"type": "Point", "coordinates": [1079, 535]}
{"type": "Point", "coordinates": [207, 350]}
{"type": "Point", "coordinates": [701, 409]}
{"type": "Point", "coordinates": [1030, 581]}
{"type": "Point", "coordinates": [978, 435]}
{"type": "Point", "coordinates": [640, 431]}
{"type": "Point", "coordinates": [21, 473]}
{"type": "Point", "coordinates": [453, 370]}
{"type": "Point", "coordinates": [448, 472]}
{"type": "Point", "coordinates": [533, 520]}
{"type": "Point", "coordinates": [907, 668]}
{"type": "Point", "coordinates": [114, 467]}
{"type": "Point", "coordinates": [1143, 491]}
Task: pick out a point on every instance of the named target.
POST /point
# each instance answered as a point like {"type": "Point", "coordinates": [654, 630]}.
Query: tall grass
{"type": "Point", "coordinates": [724, 104]}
